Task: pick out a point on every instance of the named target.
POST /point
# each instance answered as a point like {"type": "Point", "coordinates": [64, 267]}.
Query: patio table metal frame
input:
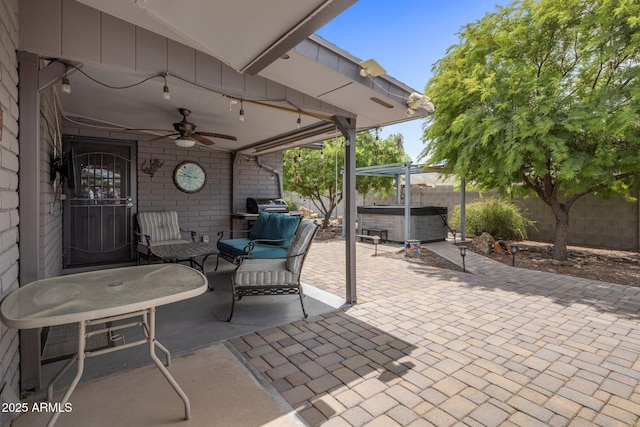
{"type": "Point", "coordinates": [99, 297]}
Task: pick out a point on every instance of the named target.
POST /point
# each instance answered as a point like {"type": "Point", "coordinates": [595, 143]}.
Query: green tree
{"type": "Point", "coordinates": [315, 174]}
{"type": "Point", "coordinates": [544, 94]}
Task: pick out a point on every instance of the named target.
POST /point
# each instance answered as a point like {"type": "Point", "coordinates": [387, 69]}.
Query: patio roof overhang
{"type": "Point", "coordinates": [245, 35]}
{"type": "Point", "coordinates": [313, 80]}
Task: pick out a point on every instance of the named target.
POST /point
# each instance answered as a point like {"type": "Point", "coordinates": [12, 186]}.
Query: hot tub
{"type": "Point", "coordinates": [427, 223]}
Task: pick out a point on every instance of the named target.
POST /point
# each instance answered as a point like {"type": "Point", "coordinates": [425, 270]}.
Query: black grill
{"type": "Point", "coordinates": [266, 205]}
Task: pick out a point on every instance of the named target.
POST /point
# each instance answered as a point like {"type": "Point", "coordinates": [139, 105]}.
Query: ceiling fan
{"type": "Point", "coordinates": [187, 135]}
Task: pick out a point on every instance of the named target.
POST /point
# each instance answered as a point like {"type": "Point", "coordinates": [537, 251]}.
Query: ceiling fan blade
{"type": "Point", "coordinates": [157, 138]}
{"type": "Point", "coordinates": [150, 130]}
{"type": "Point", "coordinates": [217, 135]}
{"type": "Point", "coordinates": [201, 139]}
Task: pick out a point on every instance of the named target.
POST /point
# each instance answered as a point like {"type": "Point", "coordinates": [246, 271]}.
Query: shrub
{"type": "Point", "coordinates": [500, 218]}
{"type": "Point", "coordinates": [291, 204]}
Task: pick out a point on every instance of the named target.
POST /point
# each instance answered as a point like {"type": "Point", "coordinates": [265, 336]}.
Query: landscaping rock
{"type": "Point", "coordinates": [483, 243]}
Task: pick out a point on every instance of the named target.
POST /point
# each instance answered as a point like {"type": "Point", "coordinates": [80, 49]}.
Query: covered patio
{"type": "Point", "coordinates": [497, 346]}
{"type": "Point", "coordinates": [115, 77]}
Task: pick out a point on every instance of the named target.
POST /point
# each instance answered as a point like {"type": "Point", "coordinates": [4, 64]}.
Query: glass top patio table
{"type": "Point", "coordinates": [104, 296]}
{"type": "Point", "coordinates": [98, 294]}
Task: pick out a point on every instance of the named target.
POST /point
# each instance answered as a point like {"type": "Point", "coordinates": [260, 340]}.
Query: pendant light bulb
{"type": "Point", "coordinates": [298, 122]}
{"type": "Point", "coordinates": [165, 90]}
{"type": "Point", "coordinates": [66, 86]}
{"type": "Point", "coordinates": [241, 112]}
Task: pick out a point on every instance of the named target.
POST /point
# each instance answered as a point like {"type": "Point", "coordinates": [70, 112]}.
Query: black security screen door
{"type": "Point", "coordinates": [98, 209]}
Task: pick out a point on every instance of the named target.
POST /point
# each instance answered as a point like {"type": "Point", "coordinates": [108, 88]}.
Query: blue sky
{"type": "Point", "coordinates": [405, 37]}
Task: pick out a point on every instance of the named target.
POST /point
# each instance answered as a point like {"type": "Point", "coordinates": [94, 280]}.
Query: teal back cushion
{"type": "Point", "coordinates": [258, 228]}
{"type": "Point", "coordinates": [281, 226]}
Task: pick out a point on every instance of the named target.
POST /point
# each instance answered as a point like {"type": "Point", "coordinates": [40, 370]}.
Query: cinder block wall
{"type": "Point", "coordinates": [9, 253]}
{"type": "Point", "coordinates": [612, 223]}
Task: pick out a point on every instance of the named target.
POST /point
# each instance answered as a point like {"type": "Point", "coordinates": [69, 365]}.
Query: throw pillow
{"type": "Point", "coordinates": [257, 230]}
{"type": "Point", "coordinates": [281, 226]}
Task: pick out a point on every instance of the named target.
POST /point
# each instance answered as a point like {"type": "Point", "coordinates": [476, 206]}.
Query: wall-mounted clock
{"type": "Point", "coordinates": [189, 177]}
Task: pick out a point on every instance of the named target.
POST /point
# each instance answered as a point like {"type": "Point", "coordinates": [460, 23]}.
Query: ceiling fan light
{"type": "Point", "coordinates": [184, 142]}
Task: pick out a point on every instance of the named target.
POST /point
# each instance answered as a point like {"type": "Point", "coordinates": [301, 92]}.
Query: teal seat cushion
{"type": "Point", "coordinates": [280, 226]}
{"type": "Point", "coordinates": [235, 247]}
{"type": "Point", "coordinates": [269, 251]}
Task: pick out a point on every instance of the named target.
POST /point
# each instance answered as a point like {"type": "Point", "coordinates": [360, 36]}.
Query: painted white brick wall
{"type": "Point", "coordinates": [9, 218]}
{"type": "Point", "coordinates": [50, 200]}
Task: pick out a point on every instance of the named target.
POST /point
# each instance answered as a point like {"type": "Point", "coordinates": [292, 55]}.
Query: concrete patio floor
{"type": "Point", "coordinates": [497, 346]}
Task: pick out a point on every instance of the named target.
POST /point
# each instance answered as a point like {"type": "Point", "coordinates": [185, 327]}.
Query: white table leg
{"type": "Point", "coordinates": [145, 331]}
{"type": "Point", "coordinates": [80, 356]}
{"type": "Point", "coordinates": [59, 375]}
{"type": "Point", "coordinates": [165, 372]}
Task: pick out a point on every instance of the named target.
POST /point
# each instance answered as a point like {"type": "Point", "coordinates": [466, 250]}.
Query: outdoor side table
{"type": "Point", "coordinates": [99, 297]}
{"type": "Point", "coordinates": [179, 252]}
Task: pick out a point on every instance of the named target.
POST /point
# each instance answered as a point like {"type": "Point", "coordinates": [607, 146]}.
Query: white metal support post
{"type": "Point", "coordinates": [407, 201]}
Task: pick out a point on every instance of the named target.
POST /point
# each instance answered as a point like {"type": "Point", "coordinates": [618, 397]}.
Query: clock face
{"type": "Point", "coordinates": [189, 177]}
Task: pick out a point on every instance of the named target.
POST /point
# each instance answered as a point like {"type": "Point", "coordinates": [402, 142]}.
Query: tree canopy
{"type": "Point", "coordinates": [315, 174]}
{"type": "Point", "coordinates": [542, 93]}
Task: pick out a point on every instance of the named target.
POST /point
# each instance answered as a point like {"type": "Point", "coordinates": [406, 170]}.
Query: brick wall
{"type": "Point", "coordinates": [206, 211]}
{"type": "Point", "coordinates": [9, 267]}
{"type": "Point", "coordinates": [256, 181]}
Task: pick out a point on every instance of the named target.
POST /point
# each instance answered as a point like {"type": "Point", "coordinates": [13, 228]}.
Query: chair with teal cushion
{"type": "Point", "coordinates": [269, 237]}
{"type": "Point", "coordinates": [274, 276]}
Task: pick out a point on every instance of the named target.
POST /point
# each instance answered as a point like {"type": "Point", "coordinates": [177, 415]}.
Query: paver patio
{"type": "Point", "coordinates": [425, 346]}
